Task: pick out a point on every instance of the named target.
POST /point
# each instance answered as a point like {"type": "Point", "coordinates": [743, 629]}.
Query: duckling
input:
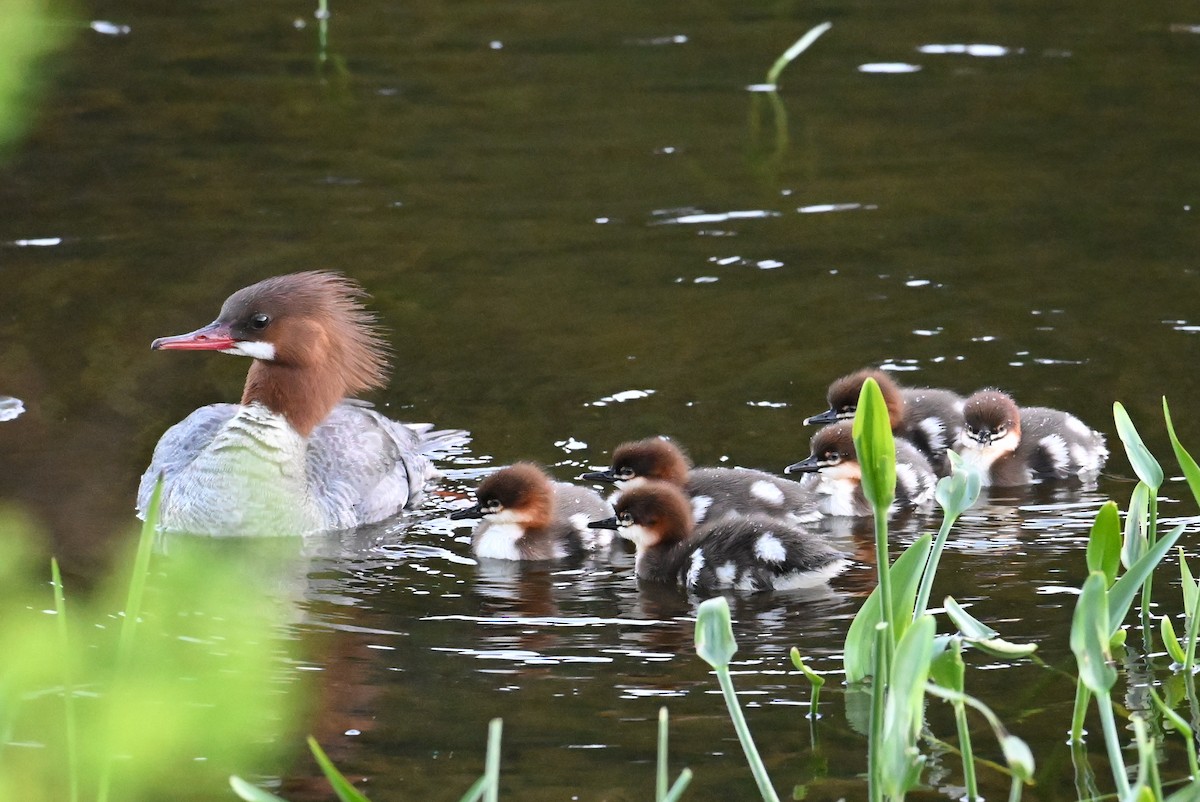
{"type": "Point", "coordinates": [929, 418]}
{"type": "Point", "coordinates": [1016, 446]}
{"type": "Point", "coordinates": [743, 552]}
{"type": "Point", "coordinates": [527, 516]}
{"type": "Point", "coordinates": [838, 474]}
{"type": "Point", "coordinates": [713, 491]}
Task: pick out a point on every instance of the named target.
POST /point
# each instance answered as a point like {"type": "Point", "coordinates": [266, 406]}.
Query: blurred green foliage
{"type": "Point", "coordinates": [200, 690]}
{"type": "Point", "coordinates": [28, 32]}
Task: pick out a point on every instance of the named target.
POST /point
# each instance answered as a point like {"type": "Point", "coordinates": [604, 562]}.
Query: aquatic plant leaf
{"type": "Point", "coordinates": [1191, 471]}
{"type": "Point", "coordinates": [876, 447]}
{"type": "Point", "coordinates": [1167, 630]}
{"type": "Point", "coordinates": [714, 633]}
{"type": "Point", "coordinates": [341, 786]}
{"type": "Point", "coordinates": [816, 679]}
{"type": "Point", "coordinates": [860, 638]}
{"type": "Point", "coordinates": [1187, 583]}
{"type": "Point", "coordinates": [681, 784]}
{"type": "Point", "coordinates": [252, 793]}
{"type": "Point", "coordinates": [1019, 757]}
{"type": "Point", "coordinates": [1136, 520]}
{"type": "Point", "coordinates": [960, 490]}
{"type": "Point", "coordinates": [798, 47]}
{"type": "Point", "coordinates": [1089, 636]}
{"type": "Point", "coordinates": [1121, 594]}
{"type": "Point", "coordinates": [1104, 542]}
{"type": "Point", "coordinates": [1144, 464]}
{"type": "Point", "coordinates": [1188, 793]}
{"type": "Point", "coordinates": [904, 708]}
{"type": "Point", "coordinates": [947, 669]}
{"type": "Point", "coordinates": [971, 627]}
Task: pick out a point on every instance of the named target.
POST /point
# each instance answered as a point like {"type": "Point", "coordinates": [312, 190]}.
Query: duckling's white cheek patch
{"type": "Point", "coordinates": [769, 549]}
{"type": "Point", "coordinates": [767, 492]}
{"type": "Point", "coordinates": [253, 349]}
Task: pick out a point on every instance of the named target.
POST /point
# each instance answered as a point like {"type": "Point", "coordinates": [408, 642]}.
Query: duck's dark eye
{"type": "Point", "coordinates": [625, 519]}
{"type": "Point", "coordinates": [259, 321]}
{"type": "Point", "coordinates": [492, 505]}
{"type": "Point", "coordinates": [625, 473]}
{"type": "Point", "coordinates": [833, 458]}
{"type": "Point", "coordinates": [1001, 430]}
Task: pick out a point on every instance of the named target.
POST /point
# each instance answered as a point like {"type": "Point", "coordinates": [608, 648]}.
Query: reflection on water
{"type": "Point", "coordinates": [581, 229]}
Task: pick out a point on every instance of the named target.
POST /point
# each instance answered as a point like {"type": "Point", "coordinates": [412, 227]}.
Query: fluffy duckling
{"type": "Point", "coordinates": [742, 552]}
{"type": "Point", "coordinates": [1014, 446]}
{"type": "Point", "coordinates": [929, 418]}
{"type": "Point", "coordinates": [714, 492]}
{"type": "Point", "coordinates": [527, 516]}
{"type": "Point", "coordinates": [838, 475]}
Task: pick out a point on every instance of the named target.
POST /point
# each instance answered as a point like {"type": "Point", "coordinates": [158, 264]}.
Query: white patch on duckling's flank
{"type": "Point", "coordinates": [768, 548]}
{"type": "Point", "coordinates": [700, 505]}
{"type": "Point", "coordinates": [767, 492]}
{"type": "Point", "coordinates": [906, 480]}
{"type": "Point", "coordinates": [1079, 427]}
{"type": "Point", "coordinates": [579, 522]}
{"type": "Point", "coordinates": [693, 573]}
{"type": "Point", "coordinates": [726, 574]}
{"type": "Point", "coordinates": [256, 349]}
{"type": "Point", "coordinates": [935, 432]}
{"type": "Point", "coordinates": [499, 542]}
{"type": "Point", "coordinates": [1056, 448]}
{"type": "Point", "coordinates": [798, 580]}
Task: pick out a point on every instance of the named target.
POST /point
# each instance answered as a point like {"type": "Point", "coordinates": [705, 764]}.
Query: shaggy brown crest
{"type": "Point", "coordinates": [843, 393]}
{"type": "Point", "coordinates": [327, 345]}
{"type": "Point", "coordinates": [652, 458]}
{"type": "Point", "coordinates": [661, 508]}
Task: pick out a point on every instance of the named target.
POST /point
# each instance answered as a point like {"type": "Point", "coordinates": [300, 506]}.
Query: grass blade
{"type": "Point", "coordinates": [252, 793]}
{"type": "Point", "coordinates": [1120, 595]}
{"type": "Point", "coordinates": [661, 780]}
{"type": "Point", "coordinates": [1104, 542]}
{"type": "Point", "coordinates": [798, 47]}
{"type": "Point", "coordinates": [60, 609]}
{"type": "Point", "coordinates": [1144, 464]}
{"type": "Point", "coordinates": [1191, 471]}
{"type": "Point", "coordinates": [345, 791]}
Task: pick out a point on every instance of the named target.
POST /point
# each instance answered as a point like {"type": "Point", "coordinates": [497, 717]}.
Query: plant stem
{"type": "Point", "coordinates": [875, 741]}
{"type": "Point", "coordinates": [60, 607]}
{"type": "Point", "coordinates": [968, 755]}
{"type": "Point", "coordinates": [883, 567]}
{"type": "Point", "coordinates": [661, 780]}
{"type": "Point", "coordinates": [1113, 743]}
{"type": "Point", "coordinates": [1082, 697]}
{"type": "Point", "coordinates": [1147, 586]}
{"type": "Point", "coordinates": [491, 767]}
{"type": "Point", "coordinates": [931, 566]}
{"type": "Point", "coordinates": [743, 732]}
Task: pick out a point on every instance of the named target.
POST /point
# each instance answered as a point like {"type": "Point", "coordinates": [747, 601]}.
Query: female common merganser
{"type": "Point", "coordinates": [838, 474]}
{"type": "Point", "coordinates": [713, 491]}
{"type": "Point", "coordinates": [1014, 446]}
{"type": "Point", "coordinates": [529, 517]}
{"type": "Point", "coordinates": [929, 418]}
{"type": "Point", "coordinates": [743, 552]}
{"type": "Point", "coordinates": [296, 456]}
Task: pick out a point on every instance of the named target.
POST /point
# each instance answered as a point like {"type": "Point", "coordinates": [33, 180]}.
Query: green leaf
{"type": "Point", "coordinates": [252, 793]}
{"type": "Point", "coordinates": [860, 638]}
{"type": "Point", "coordinates": [1191, 471]}
{"type": "Point", "coordinates": [1187, 584]}
{"type": "Point", "coordinates": [714, 633]}
{"type": "Point", "coordinates": [876, 447]}
{"type": "Point", "coordinates": [341, 786]}
{"type": "Point", "coordinates": [1144, 464]}
{"type": "Point", "coordinates": [904, 708]}
{"type": "Point", "coordinates": [968, 625]}
{"type": "Point", "coordinates": [947, 669]}
{"type": "Point", "coordinates": [1089, 636]}
{"type": "Point", "coordinates": [1121, 594]}
{"type": "Point", "coordinates": [1018, 756]}
{"type": "Point", "coordinates": [1136, 521]}
{"type": "Point", "coordinates": [1104, 543]}
{"type": "Point", "coordinates": [1170, 641]}
{"type": "Point", "coordinates": [1188, 793]}
{"type": "Point", "coordinates": [959, 491]}
{"type": "Point", "coordinates": [816, 679]}
{"type": "Point", "coordinates": [798, 47]}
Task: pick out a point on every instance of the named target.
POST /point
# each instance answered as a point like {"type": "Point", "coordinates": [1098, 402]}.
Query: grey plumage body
{"type": "Point", "coordinates": [565, 535]}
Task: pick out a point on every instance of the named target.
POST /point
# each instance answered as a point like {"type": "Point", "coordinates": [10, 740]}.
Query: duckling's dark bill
{"type": "Point", "coordinates": [469, 512]}
{"type": "Point", "coordinates": [828, 416]}
{"type": "Point", "coordinates": [607, 523]}
{"type": "Point", "coordinates": [806, 465]}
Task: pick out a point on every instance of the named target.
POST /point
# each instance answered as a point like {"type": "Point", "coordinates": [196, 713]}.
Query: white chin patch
{"type": "Point", "coordinates": [255, 349]}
